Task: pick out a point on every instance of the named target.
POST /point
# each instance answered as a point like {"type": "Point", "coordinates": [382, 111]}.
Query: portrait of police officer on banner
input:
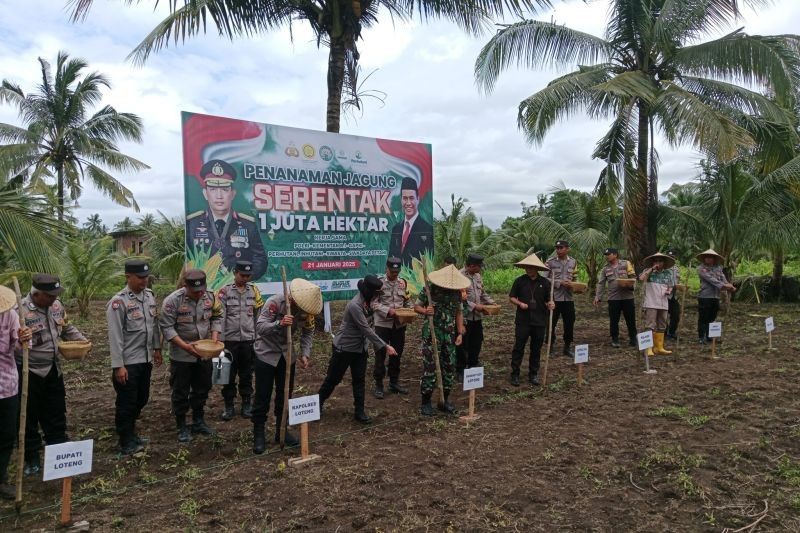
{"type": "Point", "coordinates": [413, 236]}
{"type": "Point", "coordinates": [221, 229]}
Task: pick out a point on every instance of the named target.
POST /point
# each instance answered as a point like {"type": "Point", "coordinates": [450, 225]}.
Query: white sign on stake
{"type": "Point", "coordinates": [581, 353]}
{"type": "Point", "coordinates": [303, 409]}
{"type": "Point", "coordinates": [645, 339]}
{"type": "Point", "coordinates": [67, 459]}
{"type": "Point", "coordinates": [473, 378]}
{"type": "Point", "coordinates": [770, 324]}
{"type": "Point", "coordinates": [715, 330]}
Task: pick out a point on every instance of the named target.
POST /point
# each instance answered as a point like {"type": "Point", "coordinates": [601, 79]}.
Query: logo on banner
{"type": "Point", "coordinates": [292, 151]}
{"type": "Point", "coordinates": [308, 151]}
{"type": "Point", "coordinates": [341, 285]}
{"type": "Point", "coordinates": [359, 158]}
{"type": "Point", "coordinates": [325, 153]}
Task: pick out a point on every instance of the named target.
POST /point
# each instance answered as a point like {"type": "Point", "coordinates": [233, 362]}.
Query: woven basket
{"type": "Point", "coordinates": [405, 316]}
{"type": "Point", "coordinates": [492, 309]}
{"type": "Point", "coordinates": [626, 283]}
{"type": "Point", "coordinates": [578, 288]}
{"type": "Point", "coordinates": [208, 348]}
{"type": "Point", "coordinates": [74, 350]}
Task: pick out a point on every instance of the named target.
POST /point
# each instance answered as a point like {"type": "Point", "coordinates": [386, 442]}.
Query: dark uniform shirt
{"type": "Point", "coordinates": [535, 293]}
{"type": "Point", "coordinates": [239, 239]}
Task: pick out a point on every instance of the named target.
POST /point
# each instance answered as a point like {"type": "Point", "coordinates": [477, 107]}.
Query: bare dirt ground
{"type": "Point", "coordinates": [702, 445]}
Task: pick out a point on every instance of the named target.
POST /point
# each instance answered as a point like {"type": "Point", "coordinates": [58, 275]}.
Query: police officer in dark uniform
{"type": "Point", "coordinates": [220, 228]}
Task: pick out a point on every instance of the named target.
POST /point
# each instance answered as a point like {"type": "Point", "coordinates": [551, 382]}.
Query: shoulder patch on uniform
{"type": "Point", "coordinates": [116, 303]}
{"type": "Point", "coordinates": [195, 215]}
{"type": "Point", "coordinates": [273, 308]}
{"type": "Point", "coordinates": [404, 282]}
{"type": "Point", "coordinates": [246, 217]}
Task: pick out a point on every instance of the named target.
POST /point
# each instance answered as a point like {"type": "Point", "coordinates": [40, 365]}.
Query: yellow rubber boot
{"type": "Point", "coordinates": [658, 340]}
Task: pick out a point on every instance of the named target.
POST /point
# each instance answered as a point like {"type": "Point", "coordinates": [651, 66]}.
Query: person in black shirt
{"type": "Point", "coordinates": [530, 293]}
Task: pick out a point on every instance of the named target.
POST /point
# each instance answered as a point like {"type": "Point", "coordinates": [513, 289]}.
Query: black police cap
{"type": "Point", "coordinates": [474, 259]}
{"type": "Point", "coordinates": [48, 284]}
{"type": "Point", "coordinates": [610, 251]}
{"type": "Point", "coordinates": [195, 279]}
{"type": "Point", "coordinates": [245, 267]}
{"type": "Point", "coordinates": [393, 263]}
{"type": "Point", "coordinates": [138, 267]}
{"type": "Point", "coordinates": [562, 243]}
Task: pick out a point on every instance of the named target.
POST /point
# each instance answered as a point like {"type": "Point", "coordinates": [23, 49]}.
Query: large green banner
{"type": "Point", "coordinates": [328, 207]}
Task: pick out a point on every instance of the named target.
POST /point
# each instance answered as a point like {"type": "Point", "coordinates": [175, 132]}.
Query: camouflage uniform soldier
{"type": "Point", "coordinates": [242, 302]}
{"type": "Point", "coordinates": [448, 320]}
{"type": "Point", "coordinates": [393, 295]}
{"type": "Point", "coordinates": [134, 342]}
{"type": "Point", "coordinates": [45, 316]}
{"type": "Point", "coordinates": [189, 314]}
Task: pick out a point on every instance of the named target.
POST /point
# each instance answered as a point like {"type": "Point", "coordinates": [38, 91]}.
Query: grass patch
{"type": "Point", "coordinates": [677, 412]}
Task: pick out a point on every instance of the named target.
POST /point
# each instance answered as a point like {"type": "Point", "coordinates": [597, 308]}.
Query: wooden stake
{"type": "Point", "coordinates": [714, 348]}
{"type": "Point", "coordinates": [580, 374]}
{"type": "Point", "coordinates": [549, 333]}
{"type": "Point", "coordinates": [66, 501]}
{"type": "Point", "coordinates": [434, 343]}
{"type": "Point", "coordinates": [683, 311]}
{"type": "Point", "coordinates": [471, 413]}
{"type": "Point", "coordinates": [23, 404]}
{"type": "Point", "coordinates": [769, 335]}
{"type": "Point", "coordinates": [305, 457]}
{"type": "Point", "coordinates": [647, 369]}
{"type": "Point", "coordinates": [288, 358]}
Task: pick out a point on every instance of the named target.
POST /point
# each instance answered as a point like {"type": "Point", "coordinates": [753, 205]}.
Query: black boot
{"type": "Point", "coordinates": [632, 342]}
{"type": "Point", "coordinates": [533, 379]}
{"type": "Point", "coordinates": [378, 392]}
{"type": "Point", "coordinates": [615, 342]}
{"type": "Point", "coordinates": [359, 393]}
{"type": "Point", "coordinates": [569, 352]}
{"type": "Point", "coordinates": [514, 380]}
{"type": "Point", "coordinates": [183, 430]}
{"type": "Point", "coordinates": [7, 492]}
{"type": "Point", "coordinates": [32, 463]}
{"type": "Point", "coordinates": [229, 410]}
{"type": "Point", "coordinates": [199, 424]}
{"type": "Point", "coordinates": [361, 416]}
{"type": "Point", "coordinates": [396, 388]}
{"type": "Point", "coordinates": [128, 444]}
{"type": "Point", "coordinates": [426, 408]}
{"type": "Point", "coordinates": [447, 407]}
{"type": "Point", "coordinates": [289, 439]}
{"type": "Point", "coordinates": [247, 407]}
{"type": "Point", "coordinates": [259, 439]}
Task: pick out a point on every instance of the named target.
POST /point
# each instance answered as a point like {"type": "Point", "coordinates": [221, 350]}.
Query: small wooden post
{"type": "Point", "coordinates": [23, 403]}
{"type": "Point", "coordinates": [549, 334]}
{"type": "Point", "coordinates": [471, 413]}
{"type": "Point", "coordinates": [66, 501]}
{"type": "Point", "coordinates": [305, 457]}
{"type": "Point", "coordinates": [647, 369]}
{"type": "Point", "coordinates": [580, 374]}
{"type": "Point", "coordinates": [714, 348]}
{"type": "Point", "coordinates": [288, 358]}
{"type": "Point", "coordinates": [770, 340]}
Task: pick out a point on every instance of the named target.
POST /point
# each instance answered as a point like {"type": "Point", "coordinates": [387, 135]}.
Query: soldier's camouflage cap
{"type": "Point", "coordinates": [217, 173]}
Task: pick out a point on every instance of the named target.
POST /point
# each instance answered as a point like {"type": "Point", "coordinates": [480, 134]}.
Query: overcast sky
{"type": "Point", "coordinates": [425, 70]}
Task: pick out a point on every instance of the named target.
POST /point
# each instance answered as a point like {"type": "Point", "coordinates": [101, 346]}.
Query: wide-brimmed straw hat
{"type": "Point", "coordinates": [532, 261]}
{"type": "Point", "coordinates": [7, 299]}
{"type": "Point", "coordinates": [306, 295]}
{"type": "Point", "coordinates": [669, 262]}
{"type": "Point", "coordinates": [710, 253]}
{"type": "Point", "coordinates": [449, 278]}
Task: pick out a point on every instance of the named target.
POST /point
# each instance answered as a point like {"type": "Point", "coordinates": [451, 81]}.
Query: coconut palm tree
{"type": "Point", "coordinates": [146, 221]}
{"type": "Point", "coordinates": [651, 73]}
{"type": "Point", "coordinates": [94, 225]}
{"type": "Point", "coordinates": [457, 232]}
{"type": "Point", "coordinates": [89, 266]}
{"type": "Point", "coordinates": [167, 245]}
{"type": "Point", "coordinates": [126, 224]}
{"type": "Point", "coordinates": [29, 237]}
{"type": "Point", "coordinates": [336, 24]}
{"type": "Point", "coordinates": [60, 139]}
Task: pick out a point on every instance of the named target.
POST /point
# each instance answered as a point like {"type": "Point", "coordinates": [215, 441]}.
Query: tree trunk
{"type": "Point", "coordinates": [777, 273]}
{"type": "Point", "coordinates": [60, 197]}
{"type": "Point", "coordinates": [336, 58]}
{"type": "Point", "coordinates": [635, 208]}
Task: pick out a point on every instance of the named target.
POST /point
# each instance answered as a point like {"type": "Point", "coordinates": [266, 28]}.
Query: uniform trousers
{"type": "Point", "coordinates": [131, 398]}
{"type": "Point", "coordinates": [47, 407]}
{"type": "Point", "coordinates": [674, 316]}
{"type": "Point", "coordinates": [522, 334]}
{"type": "Point", "coordinates": [469, 353]}
{"type": "Point", "coordinates": [565, 310]}
{"type": "Point", "coordinates": [9, 410]}
{"type": "Point", "coordinates": [707, 309]}
{"type": "Point", "coordinates": [627, 309]}
{"type": "Point", "coordinates": [267, 378]}
{"type": "Point", "coordinates": [396, 338]}
{"type": "Point", "coordinates": [337, 366]}
{"type": "Point", "coordinates": [241, 367]}
{"type": "Point", "coordinates": [190, 384]}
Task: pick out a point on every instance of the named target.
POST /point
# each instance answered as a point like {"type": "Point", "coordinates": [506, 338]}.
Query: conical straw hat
{"type": "Point", "coordinates": [306, 295]}
{"type": "Point", "coordinates": [449, 278]}
{"type": "Point", "coordinates": [710, 252]}
{"type": "Point", "coordinates": [532, 260]}
{"type": "Point", "coordinates": [668, 261]}
{"type": "Point", "coordinates": [7, 299]}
